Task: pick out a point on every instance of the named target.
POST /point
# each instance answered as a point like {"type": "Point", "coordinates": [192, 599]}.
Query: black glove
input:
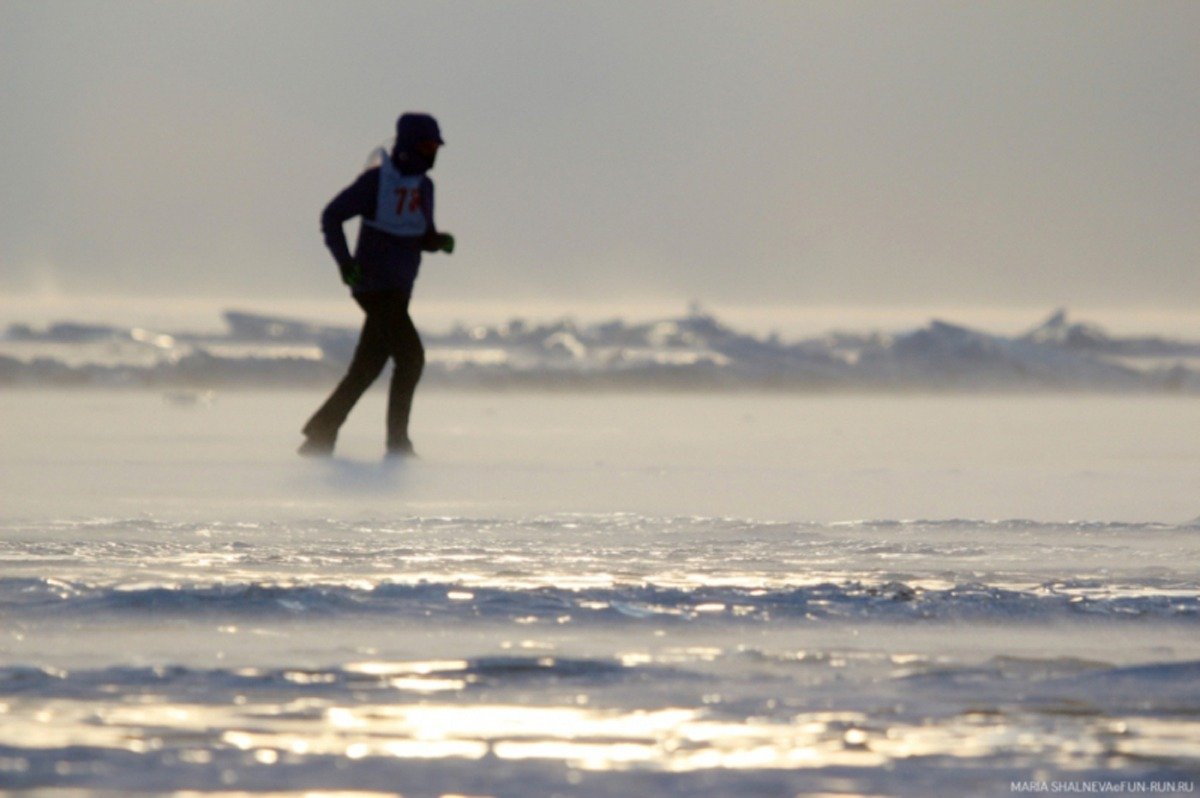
{"type": "Point", "coordinates": [351, 273]}
{"type": "Point", "coordinates": [438, 242]}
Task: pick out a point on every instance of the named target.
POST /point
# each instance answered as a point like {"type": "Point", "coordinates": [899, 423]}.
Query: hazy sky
{"type": "Point", "coordinates": [824, 152]}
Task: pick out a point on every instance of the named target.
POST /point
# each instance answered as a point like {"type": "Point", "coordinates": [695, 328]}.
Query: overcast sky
{"type": "Point", "coordinates": [811, 153]}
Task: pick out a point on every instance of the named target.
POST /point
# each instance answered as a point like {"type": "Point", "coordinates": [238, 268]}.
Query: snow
{"type": "Point", "coordinates": [229, 455]}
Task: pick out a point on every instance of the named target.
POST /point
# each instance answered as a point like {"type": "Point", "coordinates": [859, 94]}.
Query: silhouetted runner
{"type": "Point", "coordinates": [395, 201]}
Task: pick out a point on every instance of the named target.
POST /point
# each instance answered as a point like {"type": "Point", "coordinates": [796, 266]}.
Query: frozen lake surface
{"type": "Point", "coordinates": [601, 595]}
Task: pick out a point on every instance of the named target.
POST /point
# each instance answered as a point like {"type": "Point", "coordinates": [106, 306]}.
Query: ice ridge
{"type": "Point", "coordinates": [696, 350]}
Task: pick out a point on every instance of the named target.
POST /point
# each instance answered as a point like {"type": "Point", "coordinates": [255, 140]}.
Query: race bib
{"type": "Point", "coordinates": [398, 206]}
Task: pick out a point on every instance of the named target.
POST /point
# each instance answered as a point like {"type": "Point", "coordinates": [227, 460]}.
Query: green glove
{"type": "Point", "coordinates": [351, 273]}
{"type": "Point", "coordinates": [447, 244]}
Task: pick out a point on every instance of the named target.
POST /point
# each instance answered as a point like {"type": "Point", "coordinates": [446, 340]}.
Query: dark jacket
{"type": "Point", "coordinates": [388, 262]}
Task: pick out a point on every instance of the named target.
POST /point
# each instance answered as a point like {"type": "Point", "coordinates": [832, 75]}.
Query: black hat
{"type": "Point", "coordinates": [414, 127]}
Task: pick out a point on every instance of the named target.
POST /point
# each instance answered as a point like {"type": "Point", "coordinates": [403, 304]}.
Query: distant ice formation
{"type": "Point", "coordinates": [695, 351]}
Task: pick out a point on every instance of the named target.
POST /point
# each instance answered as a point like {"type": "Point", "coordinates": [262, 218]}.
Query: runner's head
{"type": "Point", "coordinates": [418, 138]}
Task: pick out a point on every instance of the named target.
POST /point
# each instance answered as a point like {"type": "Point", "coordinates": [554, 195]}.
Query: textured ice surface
{"type": "Point", "coordinates": [600, 596]}
{"type": "Point", "coordinates": [589, 570]}
{"type": "Point", "coordinates": [602, 655]}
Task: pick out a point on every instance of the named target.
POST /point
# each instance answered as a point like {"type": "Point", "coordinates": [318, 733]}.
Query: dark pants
{"type": "Point", "coordinates": [388, 332]}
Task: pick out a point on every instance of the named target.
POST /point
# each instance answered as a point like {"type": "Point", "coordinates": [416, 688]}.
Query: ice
{"type": "Point", "coordinates": [693, 351]}
{"type": "Point", "coordinates": [599, 594]}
